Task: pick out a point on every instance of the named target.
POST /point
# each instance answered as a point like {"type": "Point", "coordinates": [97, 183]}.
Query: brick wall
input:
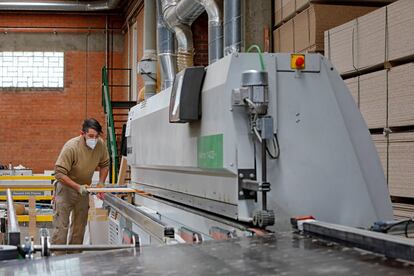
{"type": "Point", "coordinates": [200, 36]}
{"type": "Point", "coordinates": [34, 125]}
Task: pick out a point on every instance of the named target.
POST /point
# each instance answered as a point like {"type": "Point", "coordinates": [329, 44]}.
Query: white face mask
{"type": "Point", "coordinates": [91, 143]}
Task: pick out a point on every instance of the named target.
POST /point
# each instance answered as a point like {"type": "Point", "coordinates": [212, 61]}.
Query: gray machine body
{"type": "Point", "coordinates": [328, 165]}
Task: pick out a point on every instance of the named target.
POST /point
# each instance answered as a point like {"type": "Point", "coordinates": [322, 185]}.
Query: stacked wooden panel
{"type": "Point", "coordinates": [401, 164]}
{"type": "Point", "coordinates": [403, 211]}
{"type": "Point", "coordinates": [305, 31]}
{"type": "Point", "coordinates": [378, 49]}
{"type": "Point", "coordinates": [401, 95]}
{"type": "Point", "coordinates": [386, 100]}
{"type": "Point", "coordinates": [372, 40]}
{"type": "Point", "coordinates": [286, 9]}
{"type": "Point", "coordinates": [373, 99]}
{"type": "Point", "coordinates": [370, 94]}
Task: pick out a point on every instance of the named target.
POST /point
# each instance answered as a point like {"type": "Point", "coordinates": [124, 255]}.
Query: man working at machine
{"type": "Point", "coordinates": [74, 168]}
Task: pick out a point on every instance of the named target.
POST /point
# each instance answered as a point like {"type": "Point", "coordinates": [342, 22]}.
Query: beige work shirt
{"type": "Point", "coordinates": [78, 161]}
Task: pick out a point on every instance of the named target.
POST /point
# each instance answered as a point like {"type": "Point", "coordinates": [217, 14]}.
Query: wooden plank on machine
{"type": "Point", "coordinates": [110, 190]}
{"type": "Point", "coordinates": [32, 217]}
{"type": "Point", "coordinates": [122, 171]}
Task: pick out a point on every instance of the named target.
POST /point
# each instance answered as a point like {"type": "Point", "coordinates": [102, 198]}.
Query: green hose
{"type": "Point", "coordinates": [254, 46]}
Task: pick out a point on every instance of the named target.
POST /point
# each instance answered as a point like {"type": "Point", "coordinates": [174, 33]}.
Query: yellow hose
{"type": "Point", "coordinates": [141, 94]}
{"type": "Point", "coordinates": [184, 59]}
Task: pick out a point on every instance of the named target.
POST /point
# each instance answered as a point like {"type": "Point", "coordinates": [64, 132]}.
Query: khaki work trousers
{"type": "Point", "coordinates": [69, 202]}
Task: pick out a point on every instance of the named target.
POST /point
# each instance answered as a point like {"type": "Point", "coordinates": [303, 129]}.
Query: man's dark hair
{"type": "Point", "coordinates": [93, 124]}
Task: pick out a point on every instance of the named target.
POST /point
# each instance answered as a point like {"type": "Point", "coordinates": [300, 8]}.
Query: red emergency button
{"type": "Point", "coordinates": [300, 61]}
{"type": "Point", "coordinates": [297, 61]}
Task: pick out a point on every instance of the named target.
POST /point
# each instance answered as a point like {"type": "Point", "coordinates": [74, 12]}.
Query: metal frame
{"type": "Point", "coordinates": [390, 246]}
{"type": "Point", "coordinates": [149, 223]}
{"type": "Point", "coordinates": [13, 229]}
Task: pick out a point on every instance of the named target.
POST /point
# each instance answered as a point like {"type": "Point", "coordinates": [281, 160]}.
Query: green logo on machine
{"type": "Point", "coordinates": [210, 151]}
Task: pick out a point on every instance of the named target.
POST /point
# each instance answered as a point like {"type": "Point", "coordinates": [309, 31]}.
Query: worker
{"type": "Point", "coordinates": [74, 168]}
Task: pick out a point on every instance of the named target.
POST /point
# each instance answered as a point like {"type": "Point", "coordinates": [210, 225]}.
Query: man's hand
{"type": "Point", "coordinates": [101, 196]}
{"type": "Point", "coordinates": [83, 190]}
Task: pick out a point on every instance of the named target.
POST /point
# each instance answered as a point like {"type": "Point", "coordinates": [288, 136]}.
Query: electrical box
{"type": "Point", "coordinates": [186, 95]}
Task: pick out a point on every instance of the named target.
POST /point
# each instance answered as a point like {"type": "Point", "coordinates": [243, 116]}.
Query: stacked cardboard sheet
{"type": "Point", "coordinates": [370, 94]}
{"type": "Point", "coordinates": [401, 95]}
{"type": "Point", "coordinates": [372, 40]}
{"type": "Point", "coordinates": [385, 97]}
{"type": "Point", "coordinates": [403, 211]}
{"type": "Point", "coordinates": [286, 9]}
{"type": "Point", "coordinates": [305, 31]}
{"type": "Point", "coordinates": [401, 164]}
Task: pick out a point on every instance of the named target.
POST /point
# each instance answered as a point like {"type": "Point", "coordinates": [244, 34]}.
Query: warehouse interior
{"type": "Point", "coordinates": [266, 137]}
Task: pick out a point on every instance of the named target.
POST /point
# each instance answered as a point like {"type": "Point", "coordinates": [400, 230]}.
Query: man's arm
{"type": "Point", "coordinates": [103, 173]}
{"type": "Point", "coordinates": [65, 180]}
{"type": "Point", "coordinates": [63, 166]}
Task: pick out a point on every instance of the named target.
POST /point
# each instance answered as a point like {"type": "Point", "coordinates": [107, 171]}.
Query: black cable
{"type": "Point", "coordinates": [276, 147]}
{"type": "Point", "coordinates": [406, 227]}
{"type": "Point", "coordinates": [142, 72]}
{"type": "Point", "coordinates": [406, 222]}
{"type": "Point", "coordinates": [254, 151]}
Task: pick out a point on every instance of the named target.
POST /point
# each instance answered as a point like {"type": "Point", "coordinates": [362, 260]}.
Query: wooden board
{"type": "Point", "coordinates": [403, 211]}
{"type": "Point", "coordinates": [386, 34]}
{"type": "Point", "coordinates": [122, 171]}
{"type": "Point", "coordinates": [301, 31]}
{"type": "Point", "coordinates": [32, 217]}
{"type": "Point", "coordinates": [401, 95]}
{"type": "Point", "coordinates": [357, 44]}
{"type": "Point", "coordinates": [111, 190]}
{"type": "Point", "coordinates": [373, 99]}
{"type": "Point", "coordinates": [278, 12]}
{"type": "Point", "coordinates": [340, 45]}
{"type": "Point", "coordinates": [305, 31]}
{"type": "Point", "coordinates": [401, 164]}
{"type": "Point", "coordinates": [276, 40]}
{"type": "Point", "coordinates": [288, 9]}
{"type": "Point", "coordinates": [400, 29]}
{"type": "Point", "coordinates": [286, 42]}
{"type": "Point", "coordinates": [301, 5]}
{"type": "Point", "coordinates": [322, 19]}
{"type": "Point", "coordinates": [371, 47]}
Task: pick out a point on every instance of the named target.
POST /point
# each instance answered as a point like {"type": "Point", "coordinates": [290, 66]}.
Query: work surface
{"type": "Point", "coordinates": [282, 254]}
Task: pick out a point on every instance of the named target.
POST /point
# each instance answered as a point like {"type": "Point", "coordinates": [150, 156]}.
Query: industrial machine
{"type": "Point", "coordinates": [202, 144]}
{"type": "Point", "coordinates": [234, 151]}
{"type": "Point", "coordinates": [238, 150]}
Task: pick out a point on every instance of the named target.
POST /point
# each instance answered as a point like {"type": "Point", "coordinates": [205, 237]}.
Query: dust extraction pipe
{"type": "Point", "coordinates": [147, 67]}
{"type": "Point", "coordinates": [178, 17]}
{"type": "Point", "coordinates": [215, 28]}
{"type": "Point", "coordinates": [232, 26]}
{"type": "Point", "coordinates": [167, 58]}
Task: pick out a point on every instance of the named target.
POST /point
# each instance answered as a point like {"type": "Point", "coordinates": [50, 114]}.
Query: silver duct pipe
{"type": "Point", "coordinates": [167, 58]}
{"type": "Point", "coordinates": [178, 17]}
{"type": "Point", "coordinates": [215, 29]}
{"type": "Point", "coordinates": [147, 67]}
{"type": "Point", "coordinates": [58, 5]}
{"type": "Point", "coordinates": [232, 26]}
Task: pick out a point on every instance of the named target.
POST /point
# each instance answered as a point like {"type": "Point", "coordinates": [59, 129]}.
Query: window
{"type": "Point", "coordinates": [31, 70]}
